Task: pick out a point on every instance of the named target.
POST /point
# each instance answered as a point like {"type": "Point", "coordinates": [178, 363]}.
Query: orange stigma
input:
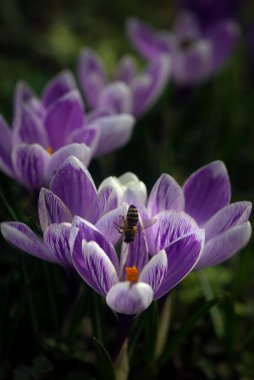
{"type": "Point", "coordinates": [131, 274]}
{"type": "Point", "coordinates": [49, 149]}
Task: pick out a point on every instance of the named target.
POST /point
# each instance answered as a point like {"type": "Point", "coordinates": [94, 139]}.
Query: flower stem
{"type": "Point", "coordinates": [123, 328]}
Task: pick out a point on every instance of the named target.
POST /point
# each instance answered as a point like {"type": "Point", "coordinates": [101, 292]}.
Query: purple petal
{"type": "Point", "coordinates": [107, 223]}
{"type": "Point", "coordinates": [223, 37]}
{"type": "Point", "coordinates": [105, 201]}
{"type": "Point", "coordinates": [169, 226]}
{"type": "Point", "coordinates": [57, 87]}
{"type": "Point", "coordinates": [22, 237]}
{"type": "Point", "coordinates": [93, 115]}
{"type": "Point", "coordinates": [207, 191]}
{"type": "Point", "coordinates": [187, 27]}
{"type": "Point", "coordinates": [56, 239]}
{"type": "Point", "coordinates": [91, 75]}
{"type": "Point", "coordinates": [88, 232]}
{"type": "Point", "coordinates": [5, 147]}
{"type": "Point", "coordinates": [74, 185]}
{"type": "Point", "coordinates": [147, 41]}
{"type": "Point", "coordinates": [136, 253]}
{"type": "Point", "coordinates": [182, 255]}
{"type": "Point", "coordinates": [96, 269]}
{"type": "Point", "coordinates": [29, 127]}
{"type": "Point", "coordinates": [36, 106]}
{"type": "Point", "coordinates": [154, 272]}
{"type": "Point", "coordinates": [227, 217]}
{"type": "Point", "coordinates": [126, 70]}
{"type": "Point", "coordinates": [22, 95]}
{"type": "Point", "coordinates": [63, 117]}
{"type": "Point", "coordinates": [147, 88]}
{"type": "Point", "coordinates": [193, 64]}
{"type": "Point", "coordinates": [116, 97]}
{"type": "Point", "coordinates": [166, 194]}
{"type": "Point", "coordinates": [129, 299]}
{"type": "Point", "coordinates": [29, 163]}
{"type": "Point", "coordinates": [80, 151]}
{"type": "Point", "coordinates": [115, 131]}
{"type": "Point", "coordinates": [222, 247]}
{"type": "Point", "coordinates": [51, 209]}
{"type": "Point", "coordinates": [86, 135]}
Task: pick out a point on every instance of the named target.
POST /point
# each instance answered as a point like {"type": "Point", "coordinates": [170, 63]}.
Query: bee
{"type": "Point", "coordinates": [130, 225]}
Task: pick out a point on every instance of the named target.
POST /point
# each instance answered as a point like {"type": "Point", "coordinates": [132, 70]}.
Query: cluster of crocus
{"type": "Point", "coordinates": [179, 229]}
{"type": "Point", "coordinates": [195, 50]}
{"type": "Point", "coordinates": [46, 131]}
{"type": "Point", "coordinates": [128, 92]}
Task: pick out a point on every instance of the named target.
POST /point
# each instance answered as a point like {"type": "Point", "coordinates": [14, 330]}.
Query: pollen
{"type": "Point", "coordinates": [49, 149]}
{"type": "Point", "coordinates": [131, 274]}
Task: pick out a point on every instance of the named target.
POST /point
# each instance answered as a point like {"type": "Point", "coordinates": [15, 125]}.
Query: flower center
{"type": "Point", "coordinates": [49, 149]}
{"type": "Point", "coordinates": [131, 274]}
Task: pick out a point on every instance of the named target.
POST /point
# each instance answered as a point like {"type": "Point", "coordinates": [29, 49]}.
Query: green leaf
{"type": "Point", "coordinates": [175, 341]}
{"type": "Point", "coordinates": [104, 362]}
{"type": "Point", "coordinates": [215, 313]}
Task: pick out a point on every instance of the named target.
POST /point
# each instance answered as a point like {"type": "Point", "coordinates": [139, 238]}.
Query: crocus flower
{"type": "Point", "coordinates": [79, 228]}
{"type": "Point", "coordinates": [202, 202]}
{"type": "Point", "coordinates": [129, 91]}
{"type": "Point", "coordinates": [72, 191]}
{"type": "Point", "coordinates": [131, 283]}
{"type": "Point", "coordinates": [196, 52]}
{"type": "Point", "coordinates": [48, 130]}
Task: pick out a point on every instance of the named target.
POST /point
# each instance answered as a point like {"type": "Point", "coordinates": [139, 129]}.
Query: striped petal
{"type": "Point", "coordinates": [95, 268]}
{"type": "Point", "coordinates": [29, 163]}
{"type": "Point", "coordinates": [88, 232]}
{"type": "Point", "coordinates": [166, 194]}
{"type": "Point", "coordinates": [207, 191]}
{"type": "Point", "coordinates": [80, 151]}
{"type": "Point", "coordinates": [169, 226]}
{"type": "Point", "coordinates": [63, 117]}
{"type": "Point", "coordinates": [105, 201]}
{"type": "Point", "coordinates": [129, 299]}
{"type": "Point", "coordinates": [51, 209]}
{"type": "Point", "coordinates": [74, 185]}
{"type": "Point", "coordinates": [154, 271]}
{"type": "Point", "coordinates": [107, 223]}
{"type": "Point", "coordinates": [222, 247]}
{"type": "Point", "coordinates": [56, 239]}
{"type": "Point", "coordinates": [182, 256]}
{"type": "Point", "coordinates": [29, 127]}
{"type": "Point", "coordinates": [22, 237]}
{"type": "Point", "coordinates": [226, 218]}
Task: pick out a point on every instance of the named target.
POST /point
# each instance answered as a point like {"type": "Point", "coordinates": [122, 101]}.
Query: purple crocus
{"type": "Point", "coordinates": [72, 191]}
{"type": "Point", "coordinates": [130, 285]}
{"type": "Point", "coordinates": [196, 51]}
{"type": "Point", "coordinates": [129, 91]}
{"type": "Point", "coordinates": [179, 229]}
{"type": "Point", "coordinates": [202, 202]}
{"type": "Point", "coordinates": [48, 130]}
{"type": "Point", "coordinates": [78, 224]}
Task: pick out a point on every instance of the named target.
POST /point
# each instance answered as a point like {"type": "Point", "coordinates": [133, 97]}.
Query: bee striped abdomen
{"type": "Point", "coordinates": [132, 216]}
{"type": "Point", "coordinates": [131, 224]}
